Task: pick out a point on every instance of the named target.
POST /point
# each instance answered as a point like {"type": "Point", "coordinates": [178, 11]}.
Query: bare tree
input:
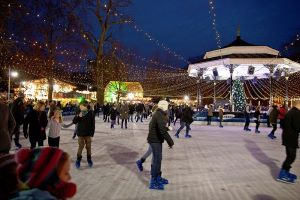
{"type": "Point", "coordinates": [106, 13]}
{"type": "Point", "coordinates": [48, 24]}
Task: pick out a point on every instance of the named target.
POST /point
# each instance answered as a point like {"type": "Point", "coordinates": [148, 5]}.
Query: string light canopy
{"type": "Point", "coordinates": [244, 60]}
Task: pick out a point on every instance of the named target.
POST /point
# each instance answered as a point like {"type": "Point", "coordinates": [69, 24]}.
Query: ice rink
{"type": "Point", "coordinates": [215, 164]}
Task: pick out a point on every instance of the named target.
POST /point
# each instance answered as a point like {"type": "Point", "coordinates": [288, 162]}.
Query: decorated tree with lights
{"type": "Point", "coordinates": [238, 94]}
{"type": "Point", "coordinates": [116, 89]}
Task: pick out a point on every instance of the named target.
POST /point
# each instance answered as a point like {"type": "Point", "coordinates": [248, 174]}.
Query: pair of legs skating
{"type": "Point", "coordinates": [85, 141]}
{"type": "Point", "coordinates": [284, 174]}
{"type": "Point", "coordinates": [156, 181]}
{"type": "Point", "coordinates": [247, 122]}
{"type": "Point", "coordinates": [182, 125]}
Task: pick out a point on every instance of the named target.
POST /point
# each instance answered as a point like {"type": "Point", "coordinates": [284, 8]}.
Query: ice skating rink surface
{"type": "Point", "coordinates": [215, 164]}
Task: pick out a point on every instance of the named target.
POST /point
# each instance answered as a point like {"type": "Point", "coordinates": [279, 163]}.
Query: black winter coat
{"type": "Point", "coordinates": [36, 121]}
{"type": "Point", "coordinates": [257, 115]}
{"type": "Point", "coordinates": [86, 124]}
{"type": "Point", "coordinates": [187, 115]}
{"type": "Point", "coordinates": [113, 113]}
{"type": "Point", "coordinates": [131, 109]}
{"type": "Point", "coordinates": [273, 116]}
{"type": "Point", "coordinates": [18, 111]}
{"type": "Point", "coordinates": [7, 125]}
{"type": "Point", "coordinates": [158, 132]}
{"type": "Point", "coordinates": [140, 108]}
{"type": "Point", "coordinates": [290, 134]}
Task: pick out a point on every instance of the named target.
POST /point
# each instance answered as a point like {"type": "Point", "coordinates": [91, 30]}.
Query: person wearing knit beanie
{"type": "Point", "coordinates": [163, 104]}
{"type": "Point", "coordinates": [158, 133]}
{"type": "Point", "coordinates": [46, 169]}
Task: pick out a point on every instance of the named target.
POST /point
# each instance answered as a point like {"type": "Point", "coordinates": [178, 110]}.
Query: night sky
{"type": "Point", "coordinates": [186, 26]}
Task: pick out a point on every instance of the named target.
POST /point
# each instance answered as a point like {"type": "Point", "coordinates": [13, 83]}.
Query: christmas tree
{"type": "Point", "coordinates": [238, 95]}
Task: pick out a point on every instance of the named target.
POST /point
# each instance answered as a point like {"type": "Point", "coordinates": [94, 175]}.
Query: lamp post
{"type": "Point", "coordinates": [10, 74]}
{"type": "Point", "coordinates": [286, 90]}
{"type": "Point", "coordinates": [271, 68]}
{"type": "Point", "coordinates": [199, 83]}
{"type": "Point", "coordinates": [215, 93]}
{"type": "Point", "coordinates": [231, 68]}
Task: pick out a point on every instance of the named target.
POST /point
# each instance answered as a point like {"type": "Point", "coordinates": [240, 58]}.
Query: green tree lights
{"type": "Point", "coordinates": [115, 90]}
{"type": "Point", "coordinates": [238, 94]}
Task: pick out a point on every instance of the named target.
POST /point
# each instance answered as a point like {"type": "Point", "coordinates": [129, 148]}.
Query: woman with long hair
{"type": "Point", "coordinates": [37, 121]}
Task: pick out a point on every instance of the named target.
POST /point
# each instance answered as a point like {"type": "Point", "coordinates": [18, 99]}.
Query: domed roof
{"type": "Point", "coordinates": [238, 42]}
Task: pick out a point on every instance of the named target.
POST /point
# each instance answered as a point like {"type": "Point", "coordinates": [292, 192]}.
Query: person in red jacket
{"type": "Point", "coordinates": [281, 116]}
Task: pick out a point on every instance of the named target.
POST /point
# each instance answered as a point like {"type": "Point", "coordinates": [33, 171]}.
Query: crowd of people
{"type": "Point", "coordinates": [44, 171]}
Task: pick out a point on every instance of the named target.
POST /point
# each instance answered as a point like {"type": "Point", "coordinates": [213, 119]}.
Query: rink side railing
{"type": "Point", "coordinates": [228, 117]}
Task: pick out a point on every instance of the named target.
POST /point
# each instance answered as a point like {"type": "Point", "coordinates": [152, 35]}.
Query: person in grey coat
{"type": "Point", "coordinates": [7, 126]}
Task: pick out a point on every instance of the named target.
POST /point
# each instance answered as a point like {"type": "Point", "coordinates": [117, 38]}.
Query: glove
{"type": "Point", "coordinates": [170, 128]}
{"type": "Point", "coordinates": [26, 135]}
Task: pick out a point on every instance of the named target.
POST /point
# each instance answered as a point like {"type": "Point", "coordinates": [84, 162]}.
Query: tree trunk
{"type": "Point", "coordinates": [100, 68]}
{"type": "Point", "coordinates": [100, 83]}
{"type": "Point", "coordinates": [50, 88]}
{"type": "Point", "coordinates": [100, 95]}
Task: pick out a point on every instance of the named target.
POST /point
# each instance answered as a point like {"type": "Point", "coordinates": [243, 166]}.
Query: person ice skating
{"type": "Point", "coordinates": [171, 115]}
{"type": "Point", "coordinates": [140, 162]}
{"type": "Point", "coordinates": [290, 139]}
{"type": "Point", "coordinates": [268, 115]}
{"type": "Point", "coordinates": [131, 112]}
{"type": "Point", "coordinates": [257, 119]}
{"type": "Point", "coordinates": [221, 114]}
{"type": "Point", "coordinates": [273, 120]}
{"type": "Point", "coordinates": [48, 175]}
{"type": "Point", "coordinates": [9, 182]}
{"type": "Point", "coordinates": [55, 124]}
{"type": "Point", "coordinates": [185, 121]}
{"type": "Point", "coordinates": [18, 111]}
{"type": "Point", "coordinates": [106, 109]}
{"type": "Point", "coordinates": [139, 111]}
{"type": "Point", "coordinates": [177, 114]}
{"type": "Point", "coordinates": [209, 114]}
{"type": "Point", "coordinates": [77, 111]}
{"type": "Point", "coordinates": [124, 110]}
{"type": "Point", "coordinates": [113, 115]}
{"type": "Point", "coordinates": [37, 121]}
{"type": "Point", "coordinates": [52, 108]}
{"type": "Point", "coordinates": [85, 132]}
{"type": "Point", "coordinates": [281, 116]}
{"type": "Point", "coordinates": [247, 117]}
{"type": "Point", "coordinates": [7, 125]}
{"type": "Point", "coordinates": [158, 132]}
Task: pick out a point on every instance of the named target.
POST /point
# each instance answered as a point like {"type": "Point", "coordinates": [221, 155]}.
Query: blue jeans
{"type": "Point", "coordinates": [156, 159]}
{"type": "Point", "coordinates": [182, 125]}
{"type": "Point", "coordinates": [247, 120]}
{"type": "Point", "coordinates": [130, 116]}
